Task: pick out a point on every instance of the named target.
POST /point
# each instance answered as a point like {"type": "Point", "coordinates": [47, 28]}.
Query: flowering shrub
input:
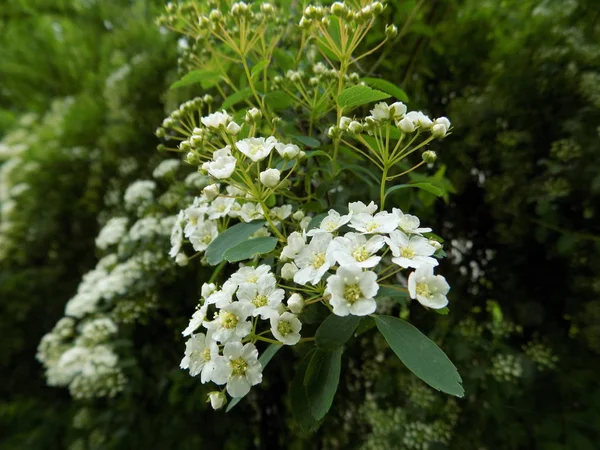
{"type": "Point", "coordinates": [286, 239]}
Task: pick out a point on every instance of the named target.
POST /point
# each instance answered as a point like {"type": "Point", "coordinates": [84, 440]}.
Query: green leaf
{"type": "Point", "coordinates": [207, 77]}
{"type": "Point", "coordinates": [299, 398]}
{"type": "Point", "coordinates": [263, 359]}
{"type": "Point", "coordinates": [316, 221]}
{"type": "Point", "coordinates": [234, 99]}
{"type": "Point", "coordinates": [398, 294]}
{"type": "Point", "coordinates": [443, 311]}
{"type": "Point", "coordinates": [278, 100]}
{"type": "Point", "coordinates": [313, 153]}
{"type": "Point", "coordinates": [258, 68]}
{"type": "Point", "coordinates": [284, 59]}
{"type": "Point", "coordinates": [428, 187]}
{"type": "Point", "coordinates": [321, 380]}
{"type": "Point", "coordinates": [367, 323]}
{"type": "Point", "coordinates": [335, 331]}
{"type": "Point", "coordinates": [420, 354]}
{"type": "Point", "coordinates": [230, 238]}
{"type": "Point", "coordinates": [386, 86]}
{"type": "Point", "coordinates": [307, 141]}
{"type": "Point", "coordinates": [250, 248]}
{"type": "Point", "coordinates": [359, 95]}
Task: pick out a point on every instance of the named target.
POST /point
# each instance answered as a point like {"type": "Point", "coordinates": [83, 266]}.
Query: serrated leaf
{"type": "Point", "coordinates": [197, 76]}
{"type": "Point", "coordinates": [299, 398]}
{"type": "Point", "coordinates": [420, 355]}
{"type": "Point", "coordinates": [250, 248]}
{"type": "Point", "coordinates": [234, 99]}
{"type": "Point", "coordinates": [359, 95]}
{"type": "Point", "coordinates": [386, 86]}
{"type": "Point", "coordinates": [321, 381]}
{"type": "Point", "coordinates": [230, 238]}
{"type": "Point", "coordinates": [263, 359]}
{"type": "Point", "coordinates": [428, 187]}
{"type": "Point", "coordinates": [335, 331]}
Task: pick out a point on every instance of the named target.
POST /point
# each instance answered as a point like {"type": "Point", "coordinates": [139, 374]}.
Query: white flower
{"type": "Point", "coordinates": [165, 168]}
{"type": "Point", "coordinates": [439, 130]}
{"type": "Point", "coordinates": [198, 317]}
{"type": "Point", "coordinates": [288, 271]}
{"type": "Point", "coordinates": [207, 289]}
{"type": "Point", "coordinates": [381, 112]}
{"type": "Point", "coordinates": [195, 218]}
{"type": "Point", "coordinates": [216, 120]}
{"type": "Point", "coordinates": [352, 291]}
{"type": "Point", "coordinates": [251, 211]}
{"type": "Point", "coordinates": [222, 167]}
{"type": "Point", "coordinates": [139, 191]}
{"type": "Point", "coordinates": [211, 191]}
{"type": "Point", "coordinates": [295, 243]}
{"type": "Point", "coordinates": [353, 248]}
{"type": "Point", "coordinates": [286, 328]}
{"type": "Point", "coordinates": [112, 232]}
{"type": "Point", "coordinates": [313, 260]}
{"type": "Point", "coordinates": [288, 151]}
{"type": "Point", "coordinates": [223, 296]}
{"type": "Point", "coordinates": [428, 289]}
{"type": "Point", "coordinates": [380, 223]}
{"type": "Point", "coordinates": [233, 128]}
{"type": "Point", "coordinates": [263, 298]}
{"type": "Point", "coordinates": [217, 399]}
{"type": "Point", "coordinates": [419, 119]}
{"type": "Point", "coordinates": [253, 275]}
{"type": "Point", "coordinates": [361, 208]}
{"type": "Point", "coordinates": [176, 235]}
{"type": "Point", "coordinates": [256, 149]}
{"type": "Point", "coordinates": [220, 207]}
{"type": "Point", "coordinates": [243, 366]}
{"type": "Point", "coordinates": [410, 251]}
{"type": "Point", "coordinates": [270, 177]}
{"type": "Point", "coordinates": [331, 223]}
{"type": "Point", "coordinates": [253, 114]}
{"type": "Point", "coordinates": [202, 357]}
{"type": "Point", "coordinates": [281, 212]}
{"type": "Point", "coordinates": [230, 324]}
{"type": "Point", "coordinates": [408, 223]}
{"type": "Point", "coordinates": [203, 235]}
{"type": "Point", "coordinates": [304, 222]}
{"type": "Point", "coordinates": [295, 303]}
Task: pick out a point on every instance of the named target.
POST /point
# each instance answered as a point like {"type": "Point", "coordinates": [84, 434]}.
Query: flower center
{"type": "Point", "coordinates": [352, 293]}
{"type": "Point", "coordinates": [255, 148]}
{"type": "Point", "coordinates": [206, 354]}
{"type": "Point", "coordinates": [238, 367]}
{"type": "Point", "coordinates": [407, 253]}
{"type": "Point", "coordinates": [330, 226]}
{"type": "Point", "coordinates": [252, 279]}
{"type": "Point", "coordinates": [284, 328]}
{"type": "Point", "coordinates": [360, 254]}
{"type": "Point", "coordinates": [228, 320]}
{"type": "Point", "coordinates": [318, 260]}
{"type": "Point", "coordinates": [260, 300]}
{"type": "Point", "coordinates": [423, 290]}
{"type": "Point", "coordinates": [372, 226]}
{"type": "Point", "coordinates": [206, 239]}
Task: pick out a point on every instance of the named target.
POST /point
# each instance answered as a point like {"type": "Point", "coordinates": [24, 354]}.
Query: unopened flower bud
{"type": "Point", "coordinates": [439, 130]}
{"type": "Point", "coordinates": [406, 125]}
{"type": "Point", "coordinates": [339, 9]}
{"type": "Point", "coordinates": [181, 259]}
{"type": "Point", "coordinates": [397, 110]}
{"type": "Point", "coordinates": [184, 146]}
{"type": "Point", "coordinates": [377, 8]}
{"type": "Point", "coordinates": [288, 271]}
{"type": "Point", "coordinates": [276, 121]}
{"type": "Point", "coordinates": [217, 399]}
{"type": "Point", "coordinates": [160, 132]}
{"type": "Point", "coordinates": [270, 177]}
{"type": "Point", "coordinates": [161, 148]}
{"type": "Point", "coordinates": [355, 127]}
{"type": "Point", "coordinates": [391, 31]}
{"type": "Point", "coordinates": [295, 303]}
{"type": "Point", "coordinates": [429, 156]}
{"type": "Point", "coordinates": [305, 23]}
{"type": "Point", "coordinates": [435, 244]}
{"type": "Point", "coordinates": [233, 128]}
{"type": "Point", "coordinates": [253, 115]}
{"type": "Point", "coordinates": [208, 99]}
{"type": "Point", "coordinates": [304, 222]}
{"type": "Point", "coordinates": [266, 8]}
{"type": "Point", "coordinates": [344, 122]}
{"type": "Point", "coordinates": [326, 21]}
{"type": "Point", "coordinates": [211, 191]}
{"type": "Point", "coordinates": [216, 15]}
{"type": "Point", "coordinates": [298, 215]}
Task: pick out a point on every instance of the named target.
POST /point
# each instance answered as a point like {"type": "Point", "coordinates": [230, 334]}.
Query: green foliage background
{"type": "Point", "coordinates": [520, 81]}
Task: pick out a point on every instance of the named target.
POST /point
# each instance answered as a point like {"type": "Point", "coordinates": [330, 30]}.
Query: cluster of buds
{"type": "Point", "coordinates": [351, 16]}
